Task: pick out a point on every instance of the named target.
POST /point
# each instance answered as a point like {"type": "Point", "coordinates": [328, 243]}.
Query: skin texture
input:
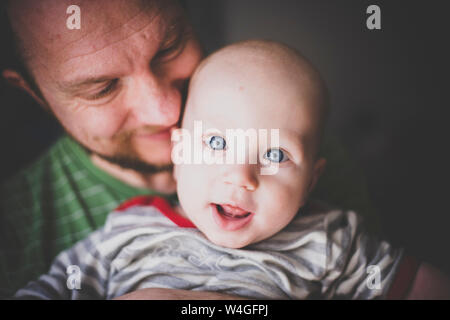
{"type": "Point", "coordinates": [138, 56]}
{"type": "Point", "coordinates": [253, 85]}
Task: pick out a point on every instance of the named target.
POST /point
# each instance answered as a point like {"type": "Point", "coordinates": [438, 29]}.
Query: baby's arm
{"type": "Point", "coordinates": [77, 273]}
{"type": "Point", "coordinates": [429, 283]}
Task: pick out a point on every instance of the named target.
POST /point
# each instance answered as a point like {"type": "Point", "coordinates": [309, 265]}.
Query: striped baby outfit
{"type": "Point", "coordinates": [324, 253]}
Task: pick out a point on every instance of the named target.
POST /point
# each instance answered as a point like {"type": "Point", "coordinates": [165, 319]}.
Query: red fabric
{"type": "Point", "coordinates": [136, 201]}
{"type": "Point", "coordinates": [162, 205]}
{"type": "Point", "coordinates": [406, 273]}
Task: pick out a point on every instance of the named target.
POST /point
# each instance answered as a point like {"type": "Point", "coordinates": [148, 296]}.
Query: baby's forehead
{"type": "Point", "coordinates": [258, 68]}
{"type": "Point", "coordinates": [271, 84]}
{"type": "Point", "coordinates": [254, 63]}
{"type": "Point", "coordinates": [258, 84]}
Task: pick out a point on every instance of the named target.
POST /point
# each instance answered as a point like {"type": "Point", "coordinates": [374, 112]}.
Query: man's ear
{"type": "Point", "coordinates": [17, 80]}
{"type": "Point", "coordinates": [319, 168]}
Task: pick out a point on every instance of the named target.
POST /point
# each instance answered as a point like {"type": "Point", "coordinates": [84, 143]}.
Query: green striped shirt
{"type": "Point", "coordinates": [50, 205]}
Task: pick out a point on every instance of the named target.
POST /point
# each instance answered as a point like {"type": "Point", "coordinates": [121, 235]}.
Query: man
{"type": "Point", "coordinates": [116, 85]}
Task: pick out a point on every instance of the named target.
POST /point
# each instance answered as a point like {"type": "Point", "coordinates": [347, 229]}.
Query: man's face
{"type": "Point", "coordinates": [116, 84]}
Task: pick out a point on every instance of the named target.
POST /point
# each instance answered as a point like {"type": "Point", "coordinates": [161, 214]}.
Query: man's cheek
{"type": "Point", "coordinates": [105, 124]}
{"type": "Point", "coordinates": [97, 122]}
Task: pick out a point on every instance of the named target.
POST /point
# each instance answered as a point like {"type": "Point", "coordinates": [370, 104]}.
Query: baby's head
{"type": "Point", "coordinates": [252, 85]}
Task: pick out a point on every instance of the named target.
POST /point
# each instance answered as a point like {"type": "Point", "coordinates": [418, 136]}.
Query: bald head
{"type": "Point", "coordinates": [273, 78]}
{"type": "Point", "coordinates": [40, 26]}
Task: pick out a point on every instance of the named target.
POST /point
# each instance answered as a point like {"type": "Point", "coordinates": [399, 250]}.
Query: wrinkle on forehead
{"type": "Point", "coordinates": [44, 35]}
{"type": "Point", "coordinates": [105, 37]}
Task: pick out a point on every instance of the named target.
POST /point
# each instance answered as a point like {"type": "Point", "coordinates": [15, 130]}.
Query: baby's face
{"type": "Point", "coordinates": [235, 205]}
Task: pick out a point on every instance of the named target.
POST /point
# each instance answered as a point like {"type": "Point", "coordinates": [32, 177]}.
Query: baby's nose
{"type": "Point", "coordinates": [242, 176]}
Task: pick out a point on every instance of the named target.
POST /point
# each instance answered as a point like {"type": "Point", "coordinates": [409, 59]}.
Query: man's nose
{"type": "Point", "coordinates": [242, 176]}
{"type": "Point", "coordinates": [153, 101]}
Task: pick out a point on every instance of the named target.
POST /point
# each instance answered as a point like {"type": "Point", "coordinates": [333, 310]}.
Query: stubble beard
{"type": "Point", "coordinates": [134, 163]}
{"type": "Point", "coordinates": [126, 157]}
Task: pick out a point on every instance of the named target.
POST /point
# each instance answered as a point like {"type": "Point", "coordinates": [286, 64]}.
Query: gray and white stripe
{"type": "Point", "coordinates": [323, 253]}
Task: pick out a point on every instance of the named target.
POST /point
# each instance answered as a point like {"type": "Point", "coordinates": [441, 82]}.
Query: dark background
{"type": "Point", "coordinates": [388, 88]}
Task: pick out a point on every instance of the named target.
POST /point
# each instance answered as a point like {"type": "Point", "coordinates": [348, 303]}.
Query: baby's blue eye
{"type": "Point", "coordinates": [216, 143]}
{"type": "Point", "coordinates": [276, 155]}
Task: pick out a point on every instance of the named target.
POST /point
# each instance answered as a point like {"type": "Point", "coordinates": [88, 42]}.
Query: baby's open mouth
{"type": "Point", "coordinates": [231, 212]}
{"type": "Point", "coordinates": [230, 218]}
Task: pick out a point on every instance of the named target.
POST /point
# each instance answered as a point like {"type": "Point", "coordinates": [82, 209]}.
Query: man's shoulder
{"type": "Point", "coordinates": [33, 174]}
{"type": "Point", "coordinates": [36, 189]}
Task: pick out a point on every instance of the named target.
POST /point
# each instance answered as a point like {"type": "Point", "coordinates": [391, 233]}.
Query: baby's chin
{"type": "Point", "coordinates": [230, 244]}
{"type": "Point", "coordinates": [230, 241]}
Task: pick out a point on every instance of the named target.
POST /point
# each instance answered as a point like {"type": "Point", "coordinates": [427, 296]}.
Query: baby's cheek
{"type": "Point", "coordinates": [283, 203]}
{"type": "Point", "coordinates": [192, 184]}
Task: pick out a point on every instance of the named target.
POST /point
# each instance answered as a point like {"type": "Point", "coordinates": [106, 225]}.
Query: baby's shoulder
{"type": "Point", "coordinates": [327, 217]}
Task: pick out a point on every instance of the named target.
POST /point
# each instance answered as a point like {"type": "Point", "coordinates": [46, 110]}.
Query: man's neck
{"type": "Point", "coordinates": [162, 182]}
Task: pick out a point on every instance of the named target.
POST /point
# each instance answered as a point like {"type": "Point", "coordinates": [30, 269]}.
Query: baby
{"type": "Point", "coordinates": [238, 231]}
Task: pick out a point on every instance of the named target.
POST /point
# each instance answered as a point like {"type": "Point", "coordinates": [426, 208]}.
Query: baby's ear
{"type": "Point", "coordinates": [319, 168]}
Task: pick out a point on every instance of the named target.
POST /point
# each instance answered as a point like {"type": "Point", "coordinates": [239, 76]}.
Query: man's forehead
{"type": "Point", "coordinates": [42, 25]}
